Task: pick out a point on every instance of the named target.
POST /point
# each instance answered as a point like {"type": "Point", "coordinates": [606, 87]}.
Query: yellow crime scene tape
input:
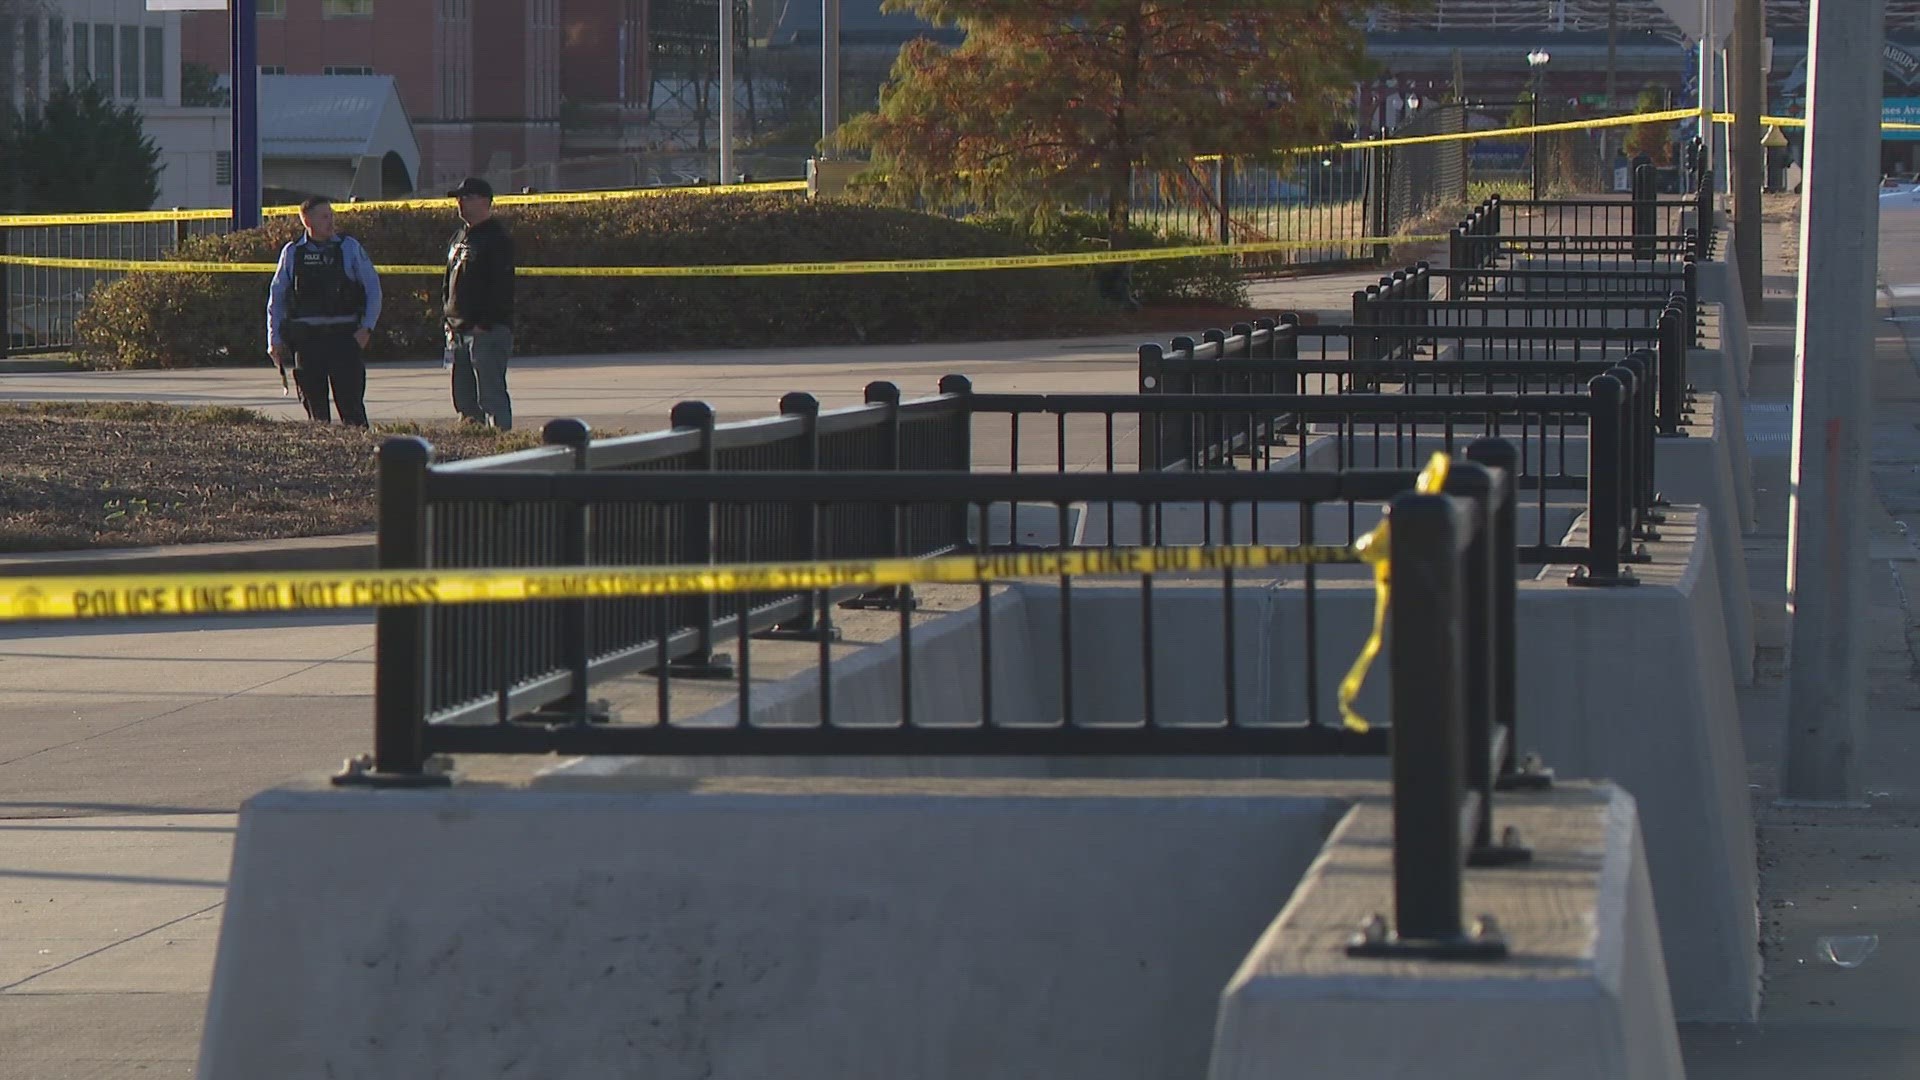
{"type": "Point", "coordinates": [560, 197]}
{"type": "Point", "coordinates": [220, 214]}
{"type": "Point", "coordinates": [119, 596]}
{"type": "Point", "coordinates": [540, 199]}
{"type": "Point", "coordinates": [866, 266]}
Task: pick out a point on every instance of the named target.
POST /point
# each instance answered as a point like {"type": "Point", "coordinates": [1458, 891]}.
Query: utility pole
{"type": "Point", "coordinates": [726, 91]}
{"type": "Point", "coordinates": [829, 72]}
{"type": "Point", "coordinates": [246, 116]}
{"type": "Point", "coordinates": [1749, 157]}
{"type": "Point", "coordinates": [1832, 402]}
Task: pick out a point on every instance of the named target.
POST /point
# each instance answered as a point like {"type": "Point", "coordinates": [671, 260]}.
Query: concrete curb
{"type": "Point", "coordinates": [35, 365]}
{"type": "Point", "coordinates": [353, 551]}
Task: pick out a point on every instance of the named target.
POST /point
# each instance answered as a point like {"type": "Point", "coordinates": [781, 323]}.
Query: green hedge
{"type": "Point", "coordinates": [186, 320]}
{"type": "Point", "coordinates": [1211, 281]}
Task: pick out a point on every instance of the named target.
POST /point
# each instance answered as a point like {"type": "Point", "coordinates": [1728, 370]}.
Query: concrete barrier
{"type": "Point", "coordinates": [835, 928]}
{"type": "Point", "coordinates": [1585, 998]}
{"type": "Point", "coordinates": [1719, 281]}
{"type": "Point", "coordinates": [1639, 666]}
{"type": "Point", "coordinates": [1694, 469]}
{"type": "Point", "coordinates": [1730, 419]}
{"type": "Point", "coordinates": [1632, 684]}
{"type": "Point", "coordinates": [1697, 469]}
{"type": "Point", "coordinates": [799, 929]}
{"type": "Point", "coordinates": [1727, 367]}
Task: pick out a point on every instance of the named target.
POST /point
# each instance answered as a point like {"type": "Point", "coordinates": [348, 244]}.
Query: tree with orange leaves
{"type": "Point", "coordinates": [1046, 100]}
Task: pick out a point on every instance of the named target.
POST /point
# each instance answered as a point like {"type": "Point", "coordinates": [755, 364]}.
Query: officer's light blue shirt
{"type": "Point", "coordinates": [359, 268]}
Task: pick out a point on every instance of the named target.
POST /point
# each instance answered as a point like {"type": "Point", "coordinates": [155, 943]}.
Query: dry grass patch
{"type": "Point", "coordinates": [90, 475]}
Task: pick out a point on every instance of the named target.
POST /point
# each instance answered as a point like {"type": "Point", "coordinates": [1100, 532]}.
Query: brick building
{"type": "Point", "coordinates": [480, 79]}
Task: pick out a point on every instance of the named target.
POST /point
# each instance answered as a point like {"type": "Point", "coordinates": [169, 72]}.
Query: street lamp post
{"type": "Point", "coordinates": [1537, 64]}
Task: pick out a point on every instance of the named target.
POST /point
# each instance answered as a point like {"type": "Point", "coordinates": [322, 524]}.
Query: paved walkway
{"type": "Point", "coordinates": [633, 392]}
{"type": "Point", "coordinates": [1830, 876]}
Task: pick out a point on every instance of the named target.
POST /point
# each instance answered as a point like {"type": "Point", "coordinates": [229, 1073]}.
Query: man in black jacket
{"type": "Point", "coordinates": [479, 308]}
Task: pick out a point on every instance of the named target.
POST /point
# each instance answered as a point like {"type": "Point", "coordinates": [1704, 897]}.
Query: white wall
{"type": "Point", "coordinates": [114, 14]}
{"type": "Point", "coordinates": [190, 143]}
{"type": "Point", "coordinates": [190, 140]}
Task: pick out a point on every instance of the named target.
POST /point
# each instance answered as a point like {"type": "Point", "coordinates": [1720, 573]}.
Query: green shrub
{"type": "Point", "coordinates": [1213, 281]}
{"type": "Point", "coordinates": [184, 320]}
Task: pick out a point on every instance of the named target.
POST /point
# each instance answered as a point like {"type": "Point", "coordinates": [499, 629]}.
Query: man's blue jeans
{"type": "Point", "coordinates": [480, 376]}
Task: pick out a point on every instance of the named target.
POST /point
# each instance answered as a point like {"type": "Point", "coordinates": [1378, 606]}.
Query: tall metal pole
{"type": "Point", "coordinates": [1613, 49]}
{"type": "Point", "coordinates": [726, 91]}
{"type": "Point", "coordinates": [1533, 152]}
{"type": "Point", "coordinates": [246, 116]}
{"type": "Point", "coordinates": [1832, 402]}
{"type": "Point", "coordinates": [1749, 157]}
{"type": "Point", "coordinates": [829, 71]}
{"type": "Point", "coordinates": [1706, 81]}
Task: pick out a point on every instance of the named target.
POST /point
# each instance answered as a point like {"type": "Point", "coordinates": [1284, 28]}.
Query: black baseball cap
{"type": "Point", "coordinates": [472, 185]}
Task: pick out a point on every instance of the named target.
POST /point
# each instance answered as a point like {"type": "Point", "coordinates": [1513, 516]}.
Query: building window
{"type": "Point", "coordinates": [56, 51]}
{"type": "Point", "coordinates": [337, 69]}
{"type": "Point", "coordinates": [129, 61]}
{"type": "Point", "coordinates": [30, 52]}
{"type": "Point", "coordinates": [270, 9]}
{"type": "Point", "coordinates": [156, 86]}
{"type": "Point", "coordinates": [82, 53]}
{"type": "Point", "coordinates": [273, 69]}
{"type": "Point", "coordinates": [223, 168]}
{"type": "Point", "coordinates": [103, 57]}
{"type": "Point", "coordinates": [345, 9]}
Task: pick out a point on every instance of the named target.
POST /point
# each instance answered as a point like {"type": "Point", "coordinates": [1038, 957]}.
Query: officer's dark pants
{"type": "Point", "coordinates": [326, 362]}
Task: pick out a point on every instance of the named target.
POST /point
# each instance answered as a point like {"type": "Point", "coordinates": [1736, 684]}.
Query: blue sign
{"type": "Point", "coordinates": [1900, 111]}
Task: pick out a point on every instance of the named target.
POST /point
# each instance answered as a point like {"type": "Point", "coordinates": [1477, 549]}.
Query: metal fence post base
{"type": "Point", "coordinates": [359, 772]}
{"type": "Point", "coordinates": [810, 630]}
{"type": "Point", "coordinates": [1508, 851]}
{"type": "Point", "coordinates": [1530, 775]}
{"type": "Point", "coordinates": [598, 711]}
{"type": "Point", "coordinates": [1586, 578]}
{"type": "Point", "coordinates": [1377, 941]}
{"type": "Point", "coordinates": [698, 666]}
{"type": "Point", "coordinates": [893, 598]}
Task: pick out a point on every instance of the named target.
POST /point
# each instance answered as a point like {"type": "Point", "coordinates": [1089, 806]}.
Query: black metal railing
{"type": "Point", "coordinates": [38, 305]}
{"type": "Point", "coordinates": [1577, 233]}
{"type": "Point", "coordinates": [560, 514]}
{"type": "Point", "coordinates": [1235, 401]}
{"type": "Point", "coordinates": [1452, 738]}
{"type": "Point", "coordinates": [1577, 297]}
{"type": "Point", "coordinates": [1591, 429]}
{"type": "Point", "coordinates": [1287, 338]}
{"type": "Point", "coordinates": [506, 660]}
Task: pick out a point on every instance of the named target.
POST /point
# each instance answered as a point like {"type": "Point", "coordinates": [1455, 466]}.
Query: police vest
{"type": "Point", "coordinates": [321, 287]}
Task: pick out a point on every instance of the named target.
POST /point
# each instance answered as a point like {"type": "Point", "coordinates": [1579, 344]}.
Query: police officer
{"type": "Point", "coordinates": [321, 311]}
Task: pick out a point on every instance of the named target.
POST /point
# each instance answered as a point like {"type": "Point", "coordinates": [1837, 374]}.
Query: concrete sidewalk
{"type": "Point", "coordinates": [634, 391]}
{"type": "Point", "coordinates": [1836, 885]}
